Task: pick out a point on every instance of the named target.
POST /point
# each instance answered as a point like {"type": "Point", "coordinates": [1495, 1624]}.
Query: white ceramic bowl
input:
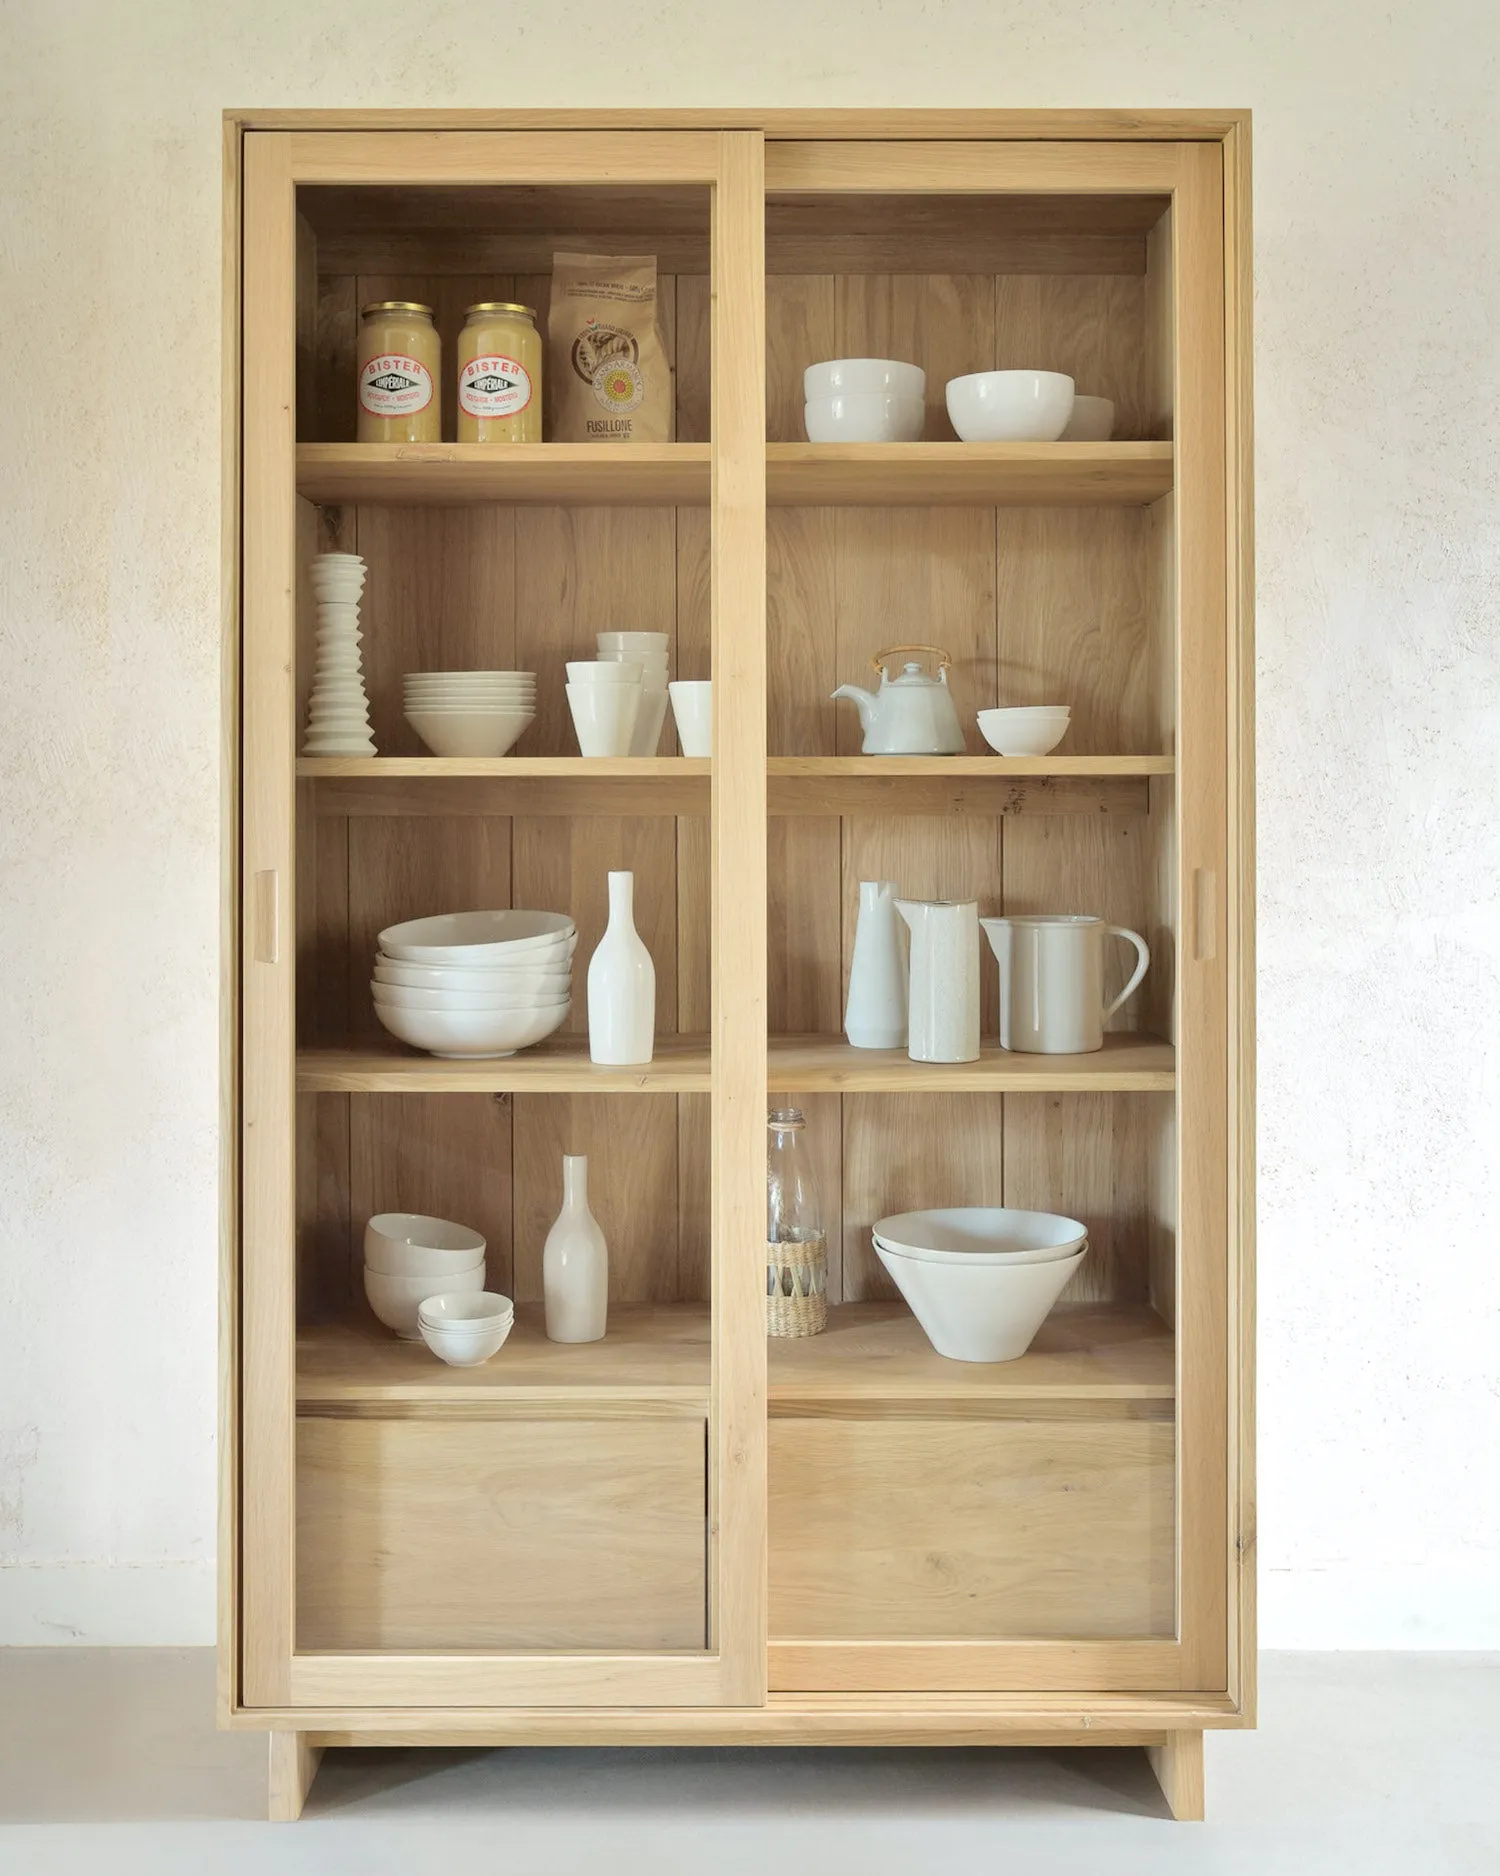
{"type": "Point", "coordinates": [1010, 406]}
{"type": "Point", "coordinates": [456, 1035]}
{"type": "Point", "coordinates": [512, 936]}
{"type": "Point", "coordinates": [395, 1300]}
{"type": "Point", "coordinates": [1023, 732]}
{"type": "Point", "coordinates": [972, 1233]}
{"type": "Point", "coordinates": [864, 417]}
{"type": "Point", "coordinates": [522, 702]}
{"type": "Point", "coordinates": [973, 1310]}
{"type": "Point", "coordinates": [546, 982]}
{"type": "Point", "coordinates": [603, 671]}
{"type": "Point", "coordinates": [464, 1310]}
{"type": "Point", "coordinates": [633, 641]}
{"type": "Point", "coordinates": [470, 732]}
{"type": "Point", "coordinates": [1093, 421]}
{"type": "Point", "coordinates": [466, 1330]}
{"type": "Point", "coordinates": [993, 1257]}
{"type": "Point", "coordinates": [470, 676]}
{"type": "Point", "coordinates": [402, 997]}
{"type": "Point", "coordinates": [862, 377]}
{"type": "Point", "coordinates": [410, 1244]}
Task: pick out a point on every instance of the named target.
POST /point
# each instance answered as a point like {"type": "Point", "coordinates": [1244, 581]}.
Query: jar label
{"type": "Point", "coordinates": [494, 386]}
{"type": "Point", "coordinates": [394, 385]}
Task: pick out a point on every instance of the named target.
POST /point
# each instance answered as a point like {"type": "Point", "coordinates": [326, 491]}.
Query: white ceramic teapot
{"type": "Point", "coordinates": [910, 715]}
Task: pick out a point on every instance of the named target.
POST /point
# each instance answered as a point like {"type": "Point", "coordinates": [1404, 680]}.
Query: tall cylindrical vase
{"type": "Point", "coordinates": [622, 985]}
{"type": "Point", "coordinates": [575, 1263]}
{"type": "Point", "coordinates": [875, 1015]}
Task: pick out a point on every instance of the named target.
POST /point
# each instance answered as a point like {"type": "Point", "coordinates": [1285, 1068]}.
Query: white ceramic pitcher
{"type": "Point", "coordinates": [1052, 981]}
{"type": "Point", "coordinates": [943, 1004]}
{"type": "Point", "coordinates": [875, 1014]}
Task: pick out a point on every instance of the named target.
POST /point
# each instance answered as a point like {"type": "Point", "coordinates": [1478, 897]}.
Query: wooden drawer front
{"type": "Point", "coordinates": [916, 1530]}
{"type": "Point", "coordinates": [500, 1534]}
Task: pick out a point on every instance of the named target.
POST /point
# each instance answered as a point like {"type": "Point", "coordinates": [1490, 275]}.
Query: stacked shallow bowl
{"type": "Point", "coordinates": [864, 400]}
{"type": "Point", "coordinates": [649, 651]}
{"type": "Point", "coordinates": [980, 1279]}
{"type": "Point", "coordinates": [470, 713]}
{"type": "Point", "coordinates": [465, 1330]}
{"type": "Point", "coordinates": [1025, 729]}
{"type": "Point", "coordinates": [468, 984]}
{"type": "Point", "coordinates": [410, 1257]}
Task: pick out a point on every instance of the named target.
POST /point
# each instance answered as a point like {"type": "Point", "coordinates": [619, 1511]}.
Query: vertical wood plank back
{"type": "Point", "coordinates": [1090, 326]}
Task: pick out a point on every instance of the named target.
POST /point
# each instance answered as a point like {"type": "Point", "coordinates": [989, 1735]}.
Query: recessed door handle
{"type": "Point", "coordinates": [266, 917]}
{"type": "Point", "coordinates": [1205, 914]}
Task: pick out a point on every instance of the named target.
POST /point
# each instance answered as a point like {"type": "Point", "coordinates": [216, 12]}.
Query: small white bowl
{"type": "Point", "coordinates": [603, 671]}
{"type": "Point", "coordinates": [465, 1340]}
{"type": "Point", "coordinates": [464, 1310]}
{"type": "Point", "coordinates": [1010, 406]}
{"type": "Point", "coordinates": [864, 417]}
{"type": "Point", "coordinates": [972, 1310]}
{"type": "Point", "coordinates": [395, 1300]}
{"type": "Point", "coordinates": [634, 641]}
{"type": "Point", "coordinates": [863, 376]}
{"type": "Point", "coordinates": [410, 1244]}
{"type": "Point", "coordinates": [461, 1035]}
{"type": "Point", "coordinates": [513, 935]}
{"type": "Point", "coordinates": [1093, 421]}
{"type": "Point", "coordinates": [1023, 732]}
{"type": "Point", "coordinates": [470, 732]}
{"type": "Point", "coordinates": [548, 983]}
{"type": "Point", "coordinates": [402, 997]}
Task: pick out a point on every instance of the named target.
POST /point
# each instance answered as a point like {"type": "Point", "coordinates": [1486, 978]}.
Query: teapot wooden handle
{"type": "Point", "coordinates": [944, 662]}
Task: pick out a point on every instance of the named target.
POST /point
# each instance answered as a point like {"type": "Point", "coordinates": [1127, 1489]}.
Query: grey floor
{"type": "Point", "coordinates": [109, 1763]}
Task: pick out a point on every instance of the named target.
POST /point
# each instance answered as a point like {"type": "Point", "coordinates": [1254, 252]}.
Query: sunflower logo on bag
{"type": "Point", "coordinates": [619, 386]}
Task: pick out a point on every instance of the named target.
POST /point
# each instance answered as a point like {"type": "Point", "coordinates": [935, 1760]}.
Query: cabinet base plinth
{"type": "Point", "coordinates": [1178, 1765]}
{"type": "Point", "coordinates": [292, 1765]}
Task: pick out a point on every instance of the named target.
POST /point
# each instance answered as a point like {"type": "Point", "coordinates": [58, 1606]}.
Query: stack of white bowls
{"type": "Point", "coordinates": [470, 713]}
{"type": "Point", "coordinates": [475, 983]}
{"type": "Point", "coordinates": [1025, 729]}
{"type": "Point", "coordinates": [864, 400]}
{"type": "Point", "coordinates": [980, 1278]}
{"type": "Point", "coordinates": [649, 651]}
{"type": "Point", "coordinates": [464, 1330]}
{"type": "Point", "coordinates": [604, 695]}
{"type": "Point", "coordinates": [409, 1257]}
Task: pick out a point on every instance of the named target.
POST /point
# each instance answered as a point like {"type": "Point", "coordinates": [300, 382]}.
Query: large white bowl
{"type": "Point", "coordinates": [976, 1232]}
{"type": "Point", "coordinates": [456, 1035]}
{"type": "Point", "coordinates": [411, 1244]}
{"type": "Point", "coordinates": [512, 936]}
{"type": "Point", "coordinates": [402, 997]}
{"type": "Point", "coordinates": [973, 1309]}
{"type": "Point", "coordinates": [864, 417]}
{"type": "Point", "coordinates": [862, 377]}
{"type": "Point", "coordinates": [1010, 406]}
{"type": "Point", "coordinates": [470, 732]}
{"type": "Point", "coordinates": [991, 1257]}
{"type": "Point", "coordinates": [1092, 421]}
{"type": "Point", "coordinates": [395, 1300]}
{"type": "Point", "coordinates": [483, 980]}
{"type": "Point", "coordinates": [1023, 732]}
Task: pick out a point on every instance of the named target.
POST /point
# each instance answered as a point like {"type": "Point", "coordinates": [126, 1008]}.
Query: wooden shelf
{"type": "Point", "coordinates": [635, 475]}
{"type": "Point", "coordinates": [651, 1358]}
{"type": "Point", "coordinates": [657, 1358]}
{"type": "Point", "coordinates": [989, 785]}
{"type": "Point", "coordinates": [533, 785]}
{"type": "Point", "coordinates": [973, 475]}
{"type": "Point", "coordinates": [653, 475]}
{"type": "Point", "coordinates": [586, 770]}
{"type": "Point", "coordinates": [560, 1065]}
{"type": "Point", "coordinates": [876, 1353]}
{"type": "Point", "coordinates": [1127, 1064]}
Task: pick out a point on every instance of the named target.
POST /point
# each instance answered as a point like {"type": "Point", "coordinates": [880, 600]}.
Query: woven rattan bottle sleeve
{"type": "Point", "coordinates": [797, 1288]}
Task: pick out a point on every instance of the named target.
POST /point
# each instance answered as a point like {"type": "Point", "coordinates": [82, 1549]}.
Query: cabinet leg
{"type": "Point", "coordinates": [293, 1767]}
{"type": "Point", "coordinates": [1178, 1765]}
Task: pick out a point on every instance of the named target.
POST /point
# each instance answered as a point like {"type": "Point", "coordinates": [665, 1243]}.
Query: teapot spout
{"type": "Point", "coordinates": [863, 701]}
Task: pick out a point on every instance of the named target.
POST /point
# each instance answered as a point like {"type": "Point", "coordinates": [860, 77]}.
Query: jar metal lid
{"type": "Point", "coordinates": [499, 306]}
{"type": "Point", "coordinates": [394, 306]}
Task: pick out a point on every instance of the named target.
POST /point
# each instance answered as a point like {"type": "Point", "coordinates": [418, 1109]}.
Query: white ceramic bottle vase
{"type": "Point", "coordinates": [1052, 981]}
{"type": "Point", "coordinates": [875, 1015]}
{"type": "Point", "coordinates": [575, 1263]}
{"type": "Point", "coordinates": [622, 985]}
{"type": "Point", "coordinates": [943, 1015]}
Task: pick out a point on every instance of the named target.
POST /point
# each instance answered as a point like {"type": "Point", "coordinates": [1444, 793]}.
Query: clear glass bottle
{"type": "Point", "coordinates": [796, 1237]}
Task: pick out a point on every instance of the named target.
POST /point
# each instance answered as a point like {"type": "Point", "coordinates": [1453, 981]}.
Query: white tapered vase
{"type": "Point", "coordinates": [575, 1263]}
{"type": "Point", "coordinates": [622, 985]}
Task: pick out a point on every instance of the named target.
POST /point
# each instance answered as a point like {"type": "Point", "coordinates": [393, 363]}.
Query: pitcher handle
{"type": "Point", "coordinates": [1142, 965]}
{"type": "Point", "coordinates": [878, 662]}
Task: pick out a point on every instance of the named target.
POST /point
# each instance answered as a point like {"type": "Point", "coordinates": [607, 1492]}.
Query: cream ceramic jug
{"type": "Point", "coordinates": [943, 1004]}
{"type": "Point", "coordinates": [1052, 981]}
{"type": "Point", "coordinates": [910, 715]}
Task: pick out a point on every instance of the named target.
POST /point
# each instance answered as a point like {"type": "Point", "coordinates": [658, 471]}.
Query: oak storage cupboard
{"type": "Point", "coordinates": [682, 1534]}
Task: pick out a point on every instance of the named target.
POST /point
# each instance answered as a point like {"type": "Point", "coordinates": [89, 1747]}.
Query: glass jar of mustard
{"type": "Point", "coordinates": [400, 368]}
{"type": "Point", "coordinates": [500, 375]}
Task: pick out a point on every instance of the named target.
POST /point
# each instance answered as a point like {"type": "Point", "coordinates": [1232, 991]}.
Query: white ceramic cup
{"type": "Point", "coordinates": [1093, 421]}
{"type": "Point", "coordinates": [1052, 981]}
{"type": "Point", "coordinates": [693, 708]}
{"type": "Point", "coordinates": [603, 671]}
{"type": "Point", "coordinates": [604, 717]}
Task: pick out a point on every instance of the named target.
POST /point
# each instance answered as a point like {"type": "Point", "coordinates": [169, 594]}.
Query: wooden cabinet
{"type": "Point", "coordinates": [682, 1533]}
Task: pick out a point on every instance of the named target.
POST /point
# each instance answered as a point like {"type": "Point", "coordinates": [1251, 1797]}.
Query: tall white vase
{"type": "Point", "coordinates": [338, 712]}
{"type": "Point", "coordinates": [944, 1006]}
{"type": "Point", "coordinates": [575, 1263]}
{"type": "Point", "coordinates": [875, 1015]}
{"type": "Point", "coordinates": [622, 985]}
